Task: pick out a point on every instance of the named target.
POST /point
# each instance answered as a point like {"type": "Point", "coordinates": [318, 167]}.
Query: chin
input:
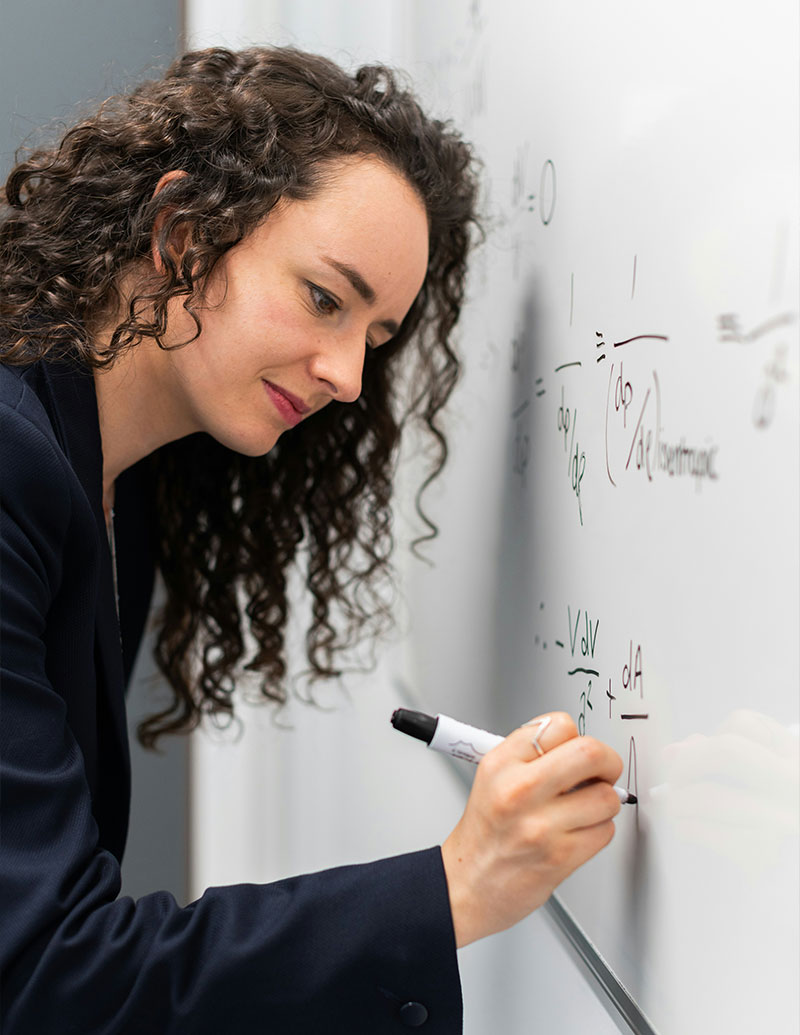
{"type": "Point", "coordinates": [254, 444]}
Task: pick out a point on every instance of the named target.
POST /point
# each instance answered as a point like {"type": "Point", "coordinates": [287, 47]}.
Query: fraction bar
{"type": "Point", "coordinates": [652, 337]}
{"type": "Point", "coordinates": [645, 716]}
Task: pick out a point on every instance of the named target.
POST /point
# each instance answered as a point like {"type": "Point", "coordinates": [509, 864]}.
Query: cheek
{"type": "Point", "coordinates": [245, 336]}
{"type": "Point", "coordinates": [276, 334]}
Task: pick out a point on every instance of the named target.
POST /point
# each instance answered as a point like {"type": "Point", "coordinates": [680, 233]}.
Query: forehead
{"type": "Point", "coordinates": [365, 215]}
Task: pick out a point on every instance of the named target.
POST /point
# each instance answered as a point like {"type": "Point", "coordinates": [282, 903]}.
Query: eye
{"type": "Point", "coordinates": [324, 303]}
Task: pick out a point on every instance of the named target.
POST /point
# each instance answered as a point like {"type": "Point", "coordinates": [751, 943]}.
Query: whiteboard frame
{"type": "Point", "coordinates": [607, 985]}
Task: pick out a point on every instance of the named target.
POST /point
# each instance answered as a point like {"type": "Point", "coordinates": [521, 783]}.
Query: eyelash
{"type": "Point", "coordinates": [321, 300]}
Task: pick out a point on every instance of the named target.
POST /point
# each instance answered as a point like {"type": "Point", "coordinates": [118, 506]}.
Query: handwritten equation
{"type": "Point", "coordinates": [647, 450]}
{"type": "Point", "coordinates": [634, 441]}
{"type": "Point", "coordinates": [623, 691]}
{"type": "Point", "coordinates": [637, 443]}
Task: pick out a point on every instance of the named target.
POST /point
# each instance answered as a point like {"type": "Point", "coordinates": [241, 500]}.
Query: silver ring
{"type": "Point", "coordinates": [542, 724]}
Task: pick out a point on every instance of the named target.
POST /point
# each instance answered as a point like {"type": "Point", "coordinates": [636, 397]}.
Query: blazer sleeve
{"type": "Point", "coordinates": [357, 949]}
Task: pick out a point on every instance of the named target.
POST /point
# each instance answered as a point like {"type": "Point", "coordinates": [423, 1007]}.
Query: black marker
{"type": "Point", "coordinates": [459, 740]}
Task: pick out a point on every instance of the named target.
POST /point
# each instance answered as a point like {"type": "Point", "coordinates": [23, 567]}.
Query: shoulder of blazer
{"type": "Point", "coordinates": [59, 398]}
{"type": "Point", "coordinates": [20, 392]}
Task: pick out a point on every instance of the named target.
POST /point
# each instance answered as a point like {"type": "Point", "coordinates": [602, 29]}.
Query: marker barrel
{"type": "Point", "coordinates": [461, 740]}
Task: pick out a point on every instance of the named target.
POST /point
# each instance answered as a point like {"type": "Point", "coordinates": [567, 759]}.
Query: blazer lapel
{"type": "Point", "coordinates": [74, 414]}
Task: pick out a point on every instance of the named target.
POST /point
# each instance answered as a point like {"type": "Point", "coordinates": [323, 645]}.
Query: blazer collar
{"type": "Point", "coordinates": [73, 411]}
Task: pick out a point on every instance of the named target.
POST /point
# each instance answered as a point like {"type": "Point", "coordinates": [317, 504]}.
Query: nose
{"type": "Point", "coordinates": [339, 364]}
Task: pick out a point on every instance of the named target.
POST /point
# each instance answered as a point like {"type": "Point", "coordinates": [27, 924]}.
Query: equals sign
{"type": "Point", "coordinates": [539, 391]}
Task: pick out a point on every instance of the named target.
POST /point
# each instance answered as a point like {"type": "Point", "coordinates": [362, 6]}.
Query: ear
{"type": "Point", "coordinates": [181, 237]}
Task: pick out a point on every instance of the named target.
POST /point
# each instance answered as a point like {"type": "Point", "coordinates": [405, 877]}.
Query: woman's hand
{"type": "Point", "coordinates": [525, 827]}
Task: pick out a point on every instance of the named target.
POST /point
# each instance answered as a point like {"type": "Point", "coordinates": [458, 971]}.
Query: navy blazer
{"type": "Point", "coordinates": [359, 949]}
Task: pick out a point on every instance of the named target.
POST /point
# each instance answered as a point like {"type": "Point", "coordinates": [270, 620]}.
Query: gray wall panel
{"type": "Point", "coordinates": [58, 59]}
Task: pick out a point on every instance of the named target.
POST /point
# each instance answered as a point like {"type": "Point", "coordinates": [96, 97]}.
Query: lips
{"type": "Point", "coordinates": [291, 408]}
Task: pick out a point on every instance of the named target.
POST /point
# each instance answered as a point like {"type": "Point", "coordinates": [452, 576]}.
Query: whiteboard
{"type": "Point", "coordinates": [619, 513]}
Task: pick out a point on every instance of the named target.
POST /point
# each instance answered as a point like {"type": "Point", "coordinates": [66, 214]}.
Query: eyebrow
{"type": "Point", "coordinates": [361, 286]}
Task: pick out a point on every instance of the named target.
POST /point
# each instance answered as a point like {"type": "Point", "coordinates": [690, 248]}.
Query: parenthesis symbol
{"type": "Point", "coordinates": [608, 398]}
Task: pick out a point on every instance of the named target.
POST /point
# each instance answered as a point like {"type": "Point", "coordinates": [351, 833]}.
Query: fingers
{"type": "Point", "coordinates": [577, 761]}
{"type": "Point", "coordinates": [540, 735]}
{"type": "Point", "coordinates": [588, 841]}
{"type": "Point", "coordinates": [566, 759]}
{"type": "Point", "coordinates": [586, 807]}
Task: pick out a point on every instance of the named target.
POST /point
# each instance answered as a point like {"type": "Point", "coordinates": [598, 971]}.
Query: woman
{"type": "Point", "coordinates": [207, 292]}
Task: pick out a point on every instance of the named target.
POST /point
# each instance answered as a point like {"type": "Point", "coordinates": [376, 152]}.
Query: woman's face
{"type": "Point", "coordinates": [290, 311]}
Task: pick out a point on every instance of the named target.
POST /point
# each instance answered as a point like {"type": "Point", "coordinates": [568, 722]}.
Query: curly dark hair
{"type": "Point", "coordinates": [248, 128]}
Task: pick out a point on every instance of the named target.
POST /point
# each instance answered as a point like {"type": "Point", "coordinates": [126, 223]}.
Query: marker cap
{"type": "Point", "coordinates": [415, 724]}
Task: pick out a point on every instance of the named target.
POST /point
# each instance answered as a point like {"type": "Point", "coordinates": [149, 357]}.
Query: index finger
{"type": "Point", "coordinates": [538, 736]}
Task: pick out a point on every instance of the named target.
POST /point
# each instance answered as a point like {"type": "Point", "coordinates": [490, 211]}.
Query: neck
{"type": "Point", "coordinates": [137, 410]}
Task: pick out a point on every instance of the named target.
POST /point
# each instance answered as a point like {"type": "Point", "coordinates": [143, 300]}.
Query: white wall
{"type": "Point", "coordinates": [360, 30]}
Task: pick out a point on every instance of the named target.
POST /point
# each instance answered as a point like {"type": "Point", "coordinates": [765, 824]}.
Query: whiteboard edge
{"type": "Point", "coordinates": [606, 984]}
